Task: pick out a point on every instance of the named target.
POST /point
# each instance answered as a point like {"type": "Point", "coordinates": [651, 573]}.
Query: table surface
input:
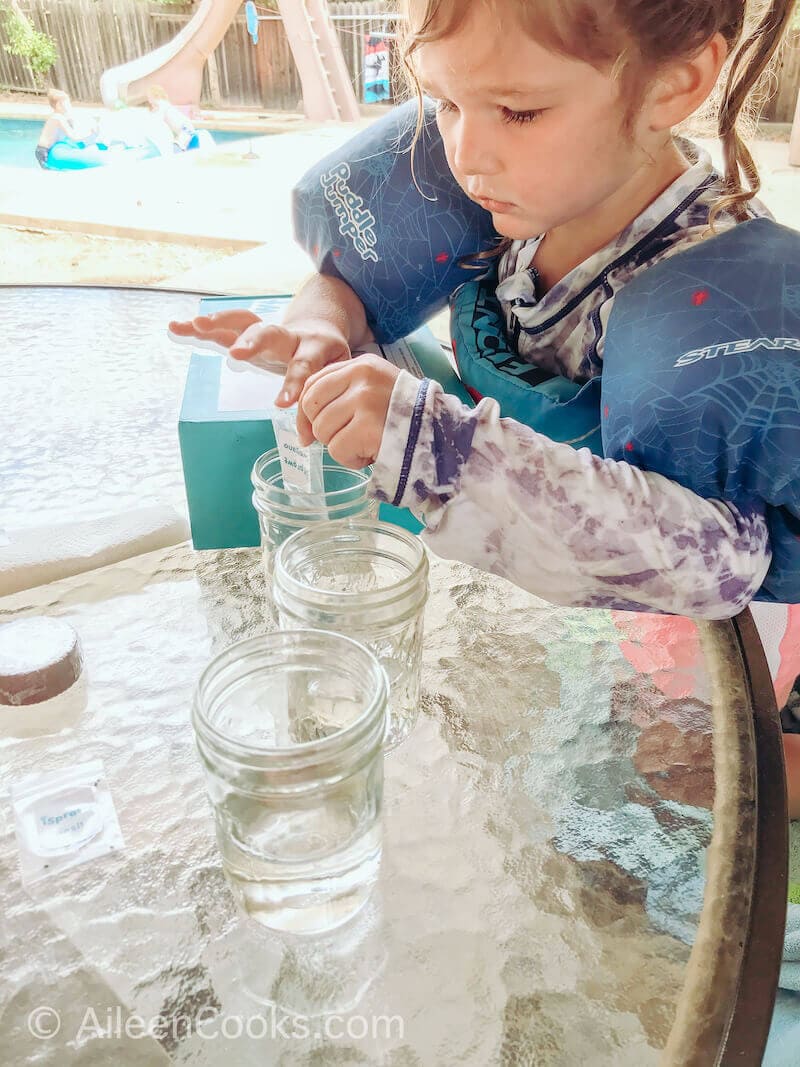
{"type": "Point", "coordinates": [546, 825]}
{"type": "Point", "coordinates": [94, 386]}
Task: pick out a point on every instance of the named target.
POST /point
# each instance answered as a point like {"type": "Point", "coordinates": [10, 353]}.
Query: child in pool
{"type": "Point", "coordinates": [558, 118]}
{"type": "Point", "coordinates": [180, 126]}
{"type": "Point", "coordinates": [59, 125]}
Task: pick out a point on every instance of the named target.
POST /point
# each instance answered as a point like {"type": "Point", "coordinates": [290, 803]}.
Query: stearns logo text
{"type": "Point", "coordinates": [734, 348]}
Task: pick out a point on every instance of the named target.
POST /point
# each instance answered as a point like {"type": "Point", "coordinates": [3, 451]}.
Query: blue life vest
{"type": "Point", "coordinates": [701, 379]}
{"type": "Point", "coordinates": [397, 238]}
{"type": "Point", "coordinates": [557, 407]}
{"type": "Point", "coordinates": [701, 372]}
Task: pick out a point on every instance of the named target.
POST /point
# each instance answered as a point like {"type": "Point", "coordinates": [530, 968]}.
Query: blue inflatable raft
{"type": "Point", "coordinates": [78, 155]}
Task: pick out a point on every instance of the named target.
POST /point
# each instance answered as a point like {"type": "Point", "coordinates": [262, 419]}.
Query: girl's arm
{"type": "Point", "coordinates": [569, 527]}
{"type": "Point", "coordinates": [326, 299]}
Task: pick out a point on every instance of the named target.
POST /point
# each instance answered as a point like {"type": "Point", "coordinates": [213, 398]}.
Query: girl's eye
{"type": "Point", "coordinates": [521, 117]}
{"type": "Point", "coordinates": [444, 105]}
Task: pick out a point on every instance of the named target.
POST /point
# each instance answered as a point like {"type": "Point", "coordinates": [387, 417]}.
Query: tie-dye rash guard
{"type": "Point", "coordinates": [572, 528]}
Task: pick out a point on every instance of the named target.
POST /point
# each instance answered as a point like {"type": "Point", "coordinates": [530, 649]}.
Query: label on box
{"type": "Point", "coordinates": [247, 390]}
{"type": "Point", "coordinates": [399, 353]}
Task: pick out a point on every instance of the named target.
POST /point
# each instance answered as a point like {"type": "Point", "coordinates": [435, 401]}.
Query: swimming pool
{"type": "Point", "coordinates": [18, 139]}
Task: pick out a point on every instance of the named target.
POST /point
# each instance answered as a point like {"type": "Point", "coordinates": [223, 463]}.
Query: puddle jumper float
{"type": "Point", "coordinates": [701, 366]}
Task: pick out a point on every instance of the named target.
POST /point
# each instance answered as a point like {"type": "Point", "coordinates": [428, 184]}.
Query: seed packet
{"type": "Point", "coordinates": [62, 819]}
{"type": "Point", "coordinates": [301, 467]}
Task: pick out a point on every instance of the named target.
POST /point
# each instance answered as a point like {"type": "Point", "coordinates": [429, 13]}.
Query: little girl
{"type": "Point", "coordinates": [558, 119]}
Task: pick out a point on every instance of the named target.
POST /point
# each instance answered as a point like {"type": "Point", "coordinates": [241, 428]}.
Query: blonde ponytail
{"type": "Point", "coordinates": [750, 61]}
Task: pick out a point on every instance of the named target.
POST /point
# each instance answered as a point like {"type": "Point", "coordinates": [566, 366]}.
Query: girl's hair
{"type": "Point", "coordinates": [635, 38]}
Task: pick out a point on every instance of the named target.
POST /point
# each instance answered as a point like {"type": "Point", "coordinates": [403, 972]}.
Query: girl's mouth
{"type": "Point", "coordinates": [497, 207]}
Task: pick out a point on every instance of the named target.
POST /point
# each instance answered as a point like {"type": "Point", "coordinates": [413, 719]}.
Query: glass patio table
{"type": "Point", "coordinates": [584, 836]}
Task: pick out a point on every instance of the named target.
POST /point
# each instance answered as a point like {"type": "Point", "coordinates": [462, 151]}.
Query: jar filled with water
{"type": "Point", "coordinates": [289, 727]}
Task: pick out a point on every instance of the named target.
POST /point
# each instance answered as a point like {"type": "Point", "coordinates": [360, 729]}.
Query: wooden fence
{"type": "Point", "coordinates": [92, 35]}
{"type": "Point", "coordinates": [781, 104]}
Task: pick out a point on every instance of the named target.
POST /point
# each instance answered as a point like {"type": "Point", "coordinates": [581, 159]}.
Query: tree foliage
{"type": "Point", "coordinates": [24, 40]}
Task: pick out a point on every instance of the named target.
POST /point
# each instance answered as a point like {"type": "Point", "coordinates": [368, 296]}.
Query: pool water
{"type": "Point", "coordinates": [18, 138]}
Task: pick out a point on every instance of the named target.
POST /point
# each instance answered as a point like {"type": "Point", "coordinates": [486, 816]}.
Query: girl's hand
{"type": "Point", "coordinates": [345, 407]}
{"type": "Point", "coordinates": [301, 350]}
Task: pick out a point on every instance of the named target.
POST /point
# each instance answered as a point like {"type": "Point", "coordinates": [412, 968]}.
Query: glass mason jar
{"type": "Point", "coordinates": [281, 511]}
{"type": "Point", "coordinates": [290, 727]}
{"type": "Point", "coordinates": [369, 580]}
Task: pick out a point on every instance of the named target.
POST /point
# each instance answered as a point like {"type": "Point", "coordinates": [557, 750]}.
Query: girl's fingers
{"type": "Point", "coordinates": [312, 356]}
{"type": "Point", "coordinates": [275, 342]}
{"type": "Point", "coordinates": [333, 418]}
{"type": "Point", "coordinates": [236, 319]}
{"type": "Point", "coordinates": [327, 385]}
{"type": "Point", "coordinates": [223, 328]}
{"type": "Point", "coordinates": [323, 387]}
{"type": "Point", "coordinates": [305, 435]}
{"type": "Point", "coordinates": [183, 329]}
{"type": "Point", "coordinates": [347, 446]}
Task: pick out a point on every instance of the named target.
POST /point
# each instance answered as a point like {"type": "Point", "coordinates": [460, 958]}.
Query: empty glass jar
{"type": "Point", "coordinates": [366, 579]}
{"type": "Point", "coordinates": [283, 511]}
{"type": "Point", "coordinates": [290, 727]}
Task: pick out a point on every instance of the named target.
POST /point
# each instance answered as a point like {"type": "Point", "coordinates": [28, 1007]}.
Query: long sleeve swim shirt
{"type": "Point", "coordinates": [568, 526]}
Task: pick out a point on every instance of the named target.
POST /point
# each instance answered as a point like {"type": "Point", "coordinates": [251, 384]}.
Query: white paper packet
{"type": "Point", "coordinates": [301, 467]}
{"type": "Point", "coordinates": [62, 819]}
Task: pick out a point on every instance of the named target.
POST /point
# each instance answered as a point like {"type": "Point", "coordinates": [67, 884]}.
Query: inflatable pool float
{"type": "Point", "coordinates": [78, 155]}
{"type": "Point", "coordinates": [701, 369]}
{"type": "Point", "coordinates": [200, 139]}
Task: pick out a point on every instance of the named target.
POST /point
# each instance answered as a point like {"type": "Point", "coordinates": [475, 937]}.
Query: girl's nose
{"type": "Point", "coordinates": [473, 151]}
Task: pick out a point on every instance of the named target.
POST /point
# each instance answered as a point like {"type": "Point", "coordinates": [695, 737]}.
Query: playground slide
{"type": "Point", "coordinates": [178, 65]}
{"type": "Point", "coordinates": [327, 90]}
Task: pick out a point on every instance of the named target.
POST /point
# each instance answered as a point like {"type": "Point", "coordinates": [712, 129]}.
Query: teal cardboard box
{"type": "Point", "coordinates": [226, 424]}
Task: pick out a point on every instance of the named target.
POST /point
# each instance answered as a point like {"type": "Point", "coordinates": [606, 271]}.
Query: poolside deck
{"type": "Point", "coordinates": [223, 197]}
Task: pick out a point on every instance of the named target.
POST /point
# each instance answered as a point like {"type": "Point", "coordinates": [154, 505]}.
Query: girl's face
{"type": "Point", "coordinates": [536, 138]}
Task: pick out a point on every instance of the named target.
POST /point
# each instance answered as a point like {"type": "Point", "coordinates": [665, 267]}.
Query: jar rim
{"type": "Point", "coordinates": [339, 532]}
{"type": "Point", "coordinates": [279, 493]}
{"type": "Point", "coordinates": [296, 755]}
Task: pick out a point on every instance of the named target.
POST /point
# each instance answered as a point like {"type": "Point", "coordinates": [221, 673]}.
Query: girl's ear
{"type": "Point", "coordinates": [684, 85]}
